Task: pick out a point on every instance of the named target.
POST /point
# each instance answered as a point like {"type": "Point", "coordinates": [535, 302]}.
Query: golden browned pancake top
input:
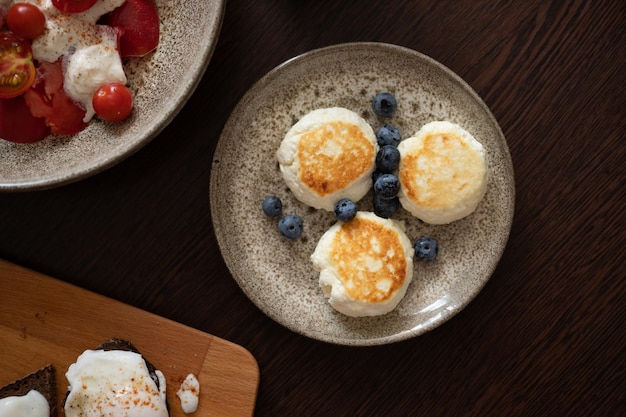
{"type": "Point", "coordinates": [370, 260]}
{"type": "Point", "coordinates": [332, 156]}
{"type": "Point", "coordinates": [434, 175]}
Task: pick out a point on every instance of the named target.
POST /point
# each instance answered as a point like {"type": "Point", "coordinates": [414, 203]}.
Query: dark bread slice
{"type": "Point", "coordinates": [42, 380]}
{"type": "Point", "coordinates": [120, 344]}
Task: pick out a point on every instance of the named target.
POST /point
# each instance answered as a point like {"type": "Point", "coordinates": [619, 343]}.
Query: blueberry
{"type": "Point", "coordinates": [426, 249]}
{"type": "Point", "coordinates": [375, 175]}
{"type": "Point", "coordinates": [387, 159]}
{"type": "Point", "coordinates": [384, 104]}
{"type": "Point", "coordinates": [345, 210]}
{"type": "Point", "coordinates": [272, 206]}
{"type": "Point", "coordinates": [388, 135]}
{"type": "Point", "coordinates": [290, 226]}
{"type": "Point", "coordinates": [386, 186]}
{"type": "Point", "coordinates": [385, 207]}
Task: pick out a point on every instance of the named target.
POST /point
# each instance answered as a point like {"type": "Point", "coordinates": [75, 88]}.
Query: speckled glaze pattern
{"type": "Point", "coordinates": [161, 83]}
{"type": "Point", "coordinates": [276, 274]}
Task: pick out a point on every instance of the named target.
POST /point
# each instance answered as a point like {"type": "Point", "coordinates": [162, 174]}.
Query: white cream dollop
{"type": "Point", "coordinates": [32, 404]}
{"type": "Point", "coordinates": [90, 68]}
{"type": "Point", "coordinates": [115, 383]}
{"type": "Point", "coordinates": [189, 394]}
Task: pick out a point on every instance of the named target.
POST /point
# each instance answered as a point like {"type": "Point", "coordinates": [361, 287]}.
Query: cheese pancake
{"type": "Point", "coordinates": [442, 172]}
{"type": "Point", "coordinates": [365, 265]}
{"type": "Point", "coordinates": [328, 155]}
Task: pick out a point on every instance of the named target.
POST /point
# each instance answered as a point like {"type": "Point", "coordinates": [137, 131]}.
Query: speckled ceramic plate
{"type": "Point", "coordinates": [277, 274]}
{"type": "Point", "coordinates": [161, 82]}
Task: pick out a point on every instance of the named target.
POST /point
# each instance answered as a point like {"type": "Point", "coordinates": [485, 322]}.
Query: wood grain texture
{"type": "Point", "coordinates": [46, 321]}
{"type": "Point", "coordinates": [545, 337]}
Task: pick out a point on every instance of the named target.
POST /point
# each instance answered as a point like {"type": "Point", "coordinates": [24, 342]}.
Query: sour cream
{"type": "Point", "coordinates": [88, 69]}
{"type": "Point", "coordinates": [32, 404]}
{"type": "Point", "coordinates": [89, 51]}
{"type": "Point", "coordinates": [113, 383]}
{"type": "Point", "coordinates": [189, 394]}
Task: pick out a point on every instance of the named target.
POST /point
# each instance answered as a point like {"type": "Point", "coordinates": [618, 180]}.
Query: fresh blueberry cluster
{"type": "Point", "coordinates": [386, 183]}
{"type": "Point", "coordinates": [289, 226]}
{"type": "Point", "coordinates": [388, 136]}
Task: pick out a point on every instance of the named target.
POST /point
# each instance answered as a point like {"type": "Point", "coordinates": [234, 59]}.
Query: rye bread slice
{"type": "Point", "coordinates": [42, 380]}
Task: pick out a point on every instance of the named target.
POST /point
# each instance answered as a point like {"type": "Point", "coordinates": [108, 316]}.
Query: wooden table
{"type": "Point", "coordinates": [546, 335]}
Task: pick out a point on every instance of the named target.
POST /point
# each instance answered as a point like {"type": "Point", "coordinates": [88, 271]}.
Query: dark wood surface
{"type": "Point", "coordinates": [545, 337]}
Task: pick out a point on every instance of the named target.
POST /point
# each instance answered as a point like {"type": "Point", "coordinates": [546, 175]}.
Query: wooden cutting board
{"type": "Point", "coordinates": [44, 320]}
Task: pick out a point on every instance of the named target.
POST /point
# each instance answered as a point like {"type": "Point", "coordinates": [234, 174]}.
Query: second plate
{"type": "Point", "coordinates": [276, 274]}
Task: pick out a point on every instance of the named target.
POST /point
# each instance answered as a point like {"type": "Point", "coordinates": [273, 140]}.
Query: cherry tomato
{"type": "Point", "coordinates": [139, 20]}
{"type": "Point", "coordinates": [48, 99]}
{"type": "Point", "coordinates": [17, 124]}
{"type": "Point", "coordinates": [26, 20]}
{"type": "Point", "coordinates": [17, 70]}
{"type": "Point", "coordinates": [113, 102]}
{"type": "Point", "coordinates": [73, 6]}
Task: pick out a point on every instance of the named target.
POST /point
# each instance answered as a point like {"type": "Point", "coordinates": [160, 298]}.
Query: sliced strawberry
{"type": "Point", "coordinates": [48, 99]}
{"type": "Point", "coordinates": [17, 124]}
{"type": "Point", "coordinates": [139, 22]}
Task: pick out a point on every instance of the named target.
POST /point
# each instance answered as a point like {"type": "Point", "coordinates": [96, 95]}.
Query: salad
{"type": "Point", "coordinates": [61, 63]}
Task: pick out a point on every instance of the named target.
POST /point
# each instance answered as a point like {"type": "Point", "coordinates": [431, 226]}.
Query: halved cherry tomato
{"type": "Point", "coordinates": [17, 70]}
{"type": "Point", "coordinates": [17, 124]}
{"type": "Point", "coordinates": [26, 20]}
{"type": "Point", "coordinates": [73, 6]}
{"type": "Point", "coordinates": [139, 20]}
{"type": "Point", "coordinates": [113, 102]}
{"type": "Point", "coordinates": [48, 99]}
